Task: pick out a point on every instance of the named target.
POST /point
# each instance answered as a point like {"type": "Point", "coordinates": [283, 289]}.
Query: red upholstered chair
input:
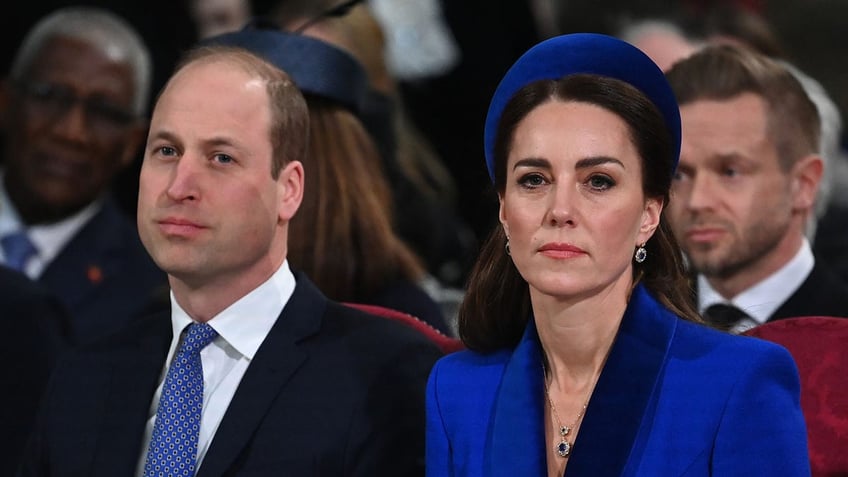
{"type": "Point", "coordinates": [446, 343]}
{"type": "Point", "coordinates": [819, 345]}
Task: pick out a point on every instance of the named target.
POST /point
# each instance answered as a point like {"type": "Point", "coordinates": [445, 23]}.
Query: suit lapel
{"type": "Point", "coordinates": [83, 264]}
{"type": "Point", "coordinates": [276, 361]}
{"type": "Point", "coordinates": [621, 402]}
{"type": "Point", "coordinates": [133, 377]}
{"type": "Point", "coordinates": [624, 395]}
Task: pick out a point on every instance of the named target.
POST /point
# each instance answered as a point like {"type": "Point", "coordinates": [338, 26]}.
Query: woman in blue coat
{"type": "Point", "coordinates": [585, 356]}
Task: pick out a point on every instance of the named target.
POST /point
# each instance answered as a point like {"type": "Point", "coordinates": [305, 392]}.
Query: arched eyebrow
{"type": "Point", "coordinates": [597, 161]}
{"type": "Point", "coordinates": [541, 163]}
{"type": "Point", "coordinates": [532, 162]}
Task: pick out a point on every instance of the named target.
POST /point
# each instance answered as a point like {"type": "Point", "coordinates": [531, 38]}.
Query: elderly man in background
{"type": "Point", "coordinates": [72, 114]}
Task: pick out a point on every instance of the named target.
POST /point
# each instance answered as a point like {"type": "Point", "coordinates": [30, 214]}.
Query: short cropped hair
{"type": "Point", "coordinates": [100, 28]}
{"type": "Point", "coordinates": [723, 72]}
{"type": "Point", "coordinates": [289, 130]}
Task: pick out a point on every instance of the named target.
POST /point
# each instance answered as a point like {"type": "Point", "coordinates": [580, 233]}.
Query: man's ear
{"type": "Point", "coordinates": [806, 176]}
{"type": "Point", "coordinates": [290, 186]}
{"type": "Point", "coordinates": [136, 137]}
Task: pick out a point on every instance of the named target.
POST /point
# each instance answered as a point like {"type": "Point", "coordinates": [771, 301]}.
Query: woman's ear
{"type": "Point", "coordinates": [650, 219]}
{"type": "Point", "coordinates": [502, 216]}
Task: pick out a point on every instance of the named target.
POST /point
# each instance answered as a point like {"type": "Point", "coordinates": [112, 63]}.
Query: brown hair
{"type": "Point", "coordinates": [496, 307]}
{"type": "Point", "coordinates": [725, 71]}
{"type": "Point", "coordinates": [289, 130]}
{"type": "Point", "coordinates": [342, 236]}
{"type": "Point", "coordinates": [359, 33]}
{"type": "Point", "coordinates": [730, 22]}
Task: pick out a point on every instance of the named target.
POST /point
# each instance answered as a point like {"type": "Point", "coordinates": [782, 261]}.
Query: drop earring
{"type": "Point", "coordinates": [506, 247]}
{"type": "Point", "coordinates": [641, 254]}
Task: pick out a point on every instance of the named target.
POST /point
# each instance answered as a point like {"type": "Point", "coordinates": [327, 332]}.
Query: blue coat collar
{"type": "Point", "coordinates": [622, 399]}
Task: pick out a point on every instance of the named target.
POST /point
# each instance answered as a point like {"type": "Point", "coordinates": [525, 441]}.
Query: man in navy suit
{"type": "Point", "coordinates": [35, 329]}
{"type": "Point", "coordinates": [292, 383]}
{"type": "Point", "coordinates": [746, 185]}
{"type": "Point", "coordinates": [72, 115]}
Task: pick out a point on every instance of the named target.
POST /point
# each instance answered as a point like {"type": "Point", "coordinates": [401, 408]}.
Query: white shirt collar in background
{"type": "Point", "coordinates": [763, 299]}
{"type": "Point", "coordinates": [49, 239]}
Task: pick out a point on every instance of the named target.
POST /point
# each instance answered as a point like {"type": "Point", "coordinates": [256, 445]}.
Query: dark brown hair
{"type": "Point", "coordinates": [496, 307]}
{"type": "Point", "coordinates": [725, 71]}
{"type": "Point", "coordinates": [342, 236]}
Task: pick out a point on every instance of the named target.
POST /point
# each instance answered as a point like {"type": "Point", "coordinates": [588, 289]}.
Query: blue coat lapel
{"type": "Point", "coordinates": [624, 396]}
{"type": "Point", "coordinates": [516, 442]}
{"type": "Point", "coordinates": [623, 399]}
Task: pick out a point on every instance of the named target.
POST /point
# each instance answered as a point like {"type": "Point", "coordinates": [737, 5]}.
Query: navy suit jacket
{"type": "Point", "coordinates": [674, 399]}
{"type": "Point", "coordinates": [822, 293]}
{"type": "Point", "coordinates": [35, 331]}
{"type": "Point", "coordinates": [104, 276]}
{"type": "Point", "coordinates": [331, 391]}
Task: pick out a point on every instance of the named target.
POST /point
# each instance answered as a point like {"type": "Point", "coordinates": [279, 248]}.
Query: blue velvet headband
{"type": "Point", "coordinates": [590, 53]}
{"type": "Point", "coordinates": [316, 67]}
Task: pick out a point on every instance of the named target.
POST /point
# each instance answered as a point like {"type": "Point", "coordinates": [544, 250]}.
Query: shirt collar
{"type": "Point", "coordinates": [763, 299]}
{"type": "Point", "coordinates": [262, 307]}
{"type": "Point", "coordinates": [48, 239]}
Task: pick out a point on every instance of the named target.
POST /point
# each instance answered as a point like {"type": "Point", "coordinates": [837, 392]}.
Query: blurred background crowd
{"type": "Point", "coordinates": [440, 61]}
{"type": "Point", "coordinates": [397, 202]}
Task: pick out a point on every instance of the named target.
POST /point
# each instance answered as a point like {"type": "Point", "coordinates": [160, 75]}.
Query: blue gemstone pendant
{"type": "Point", "coordinates": [563, 448]}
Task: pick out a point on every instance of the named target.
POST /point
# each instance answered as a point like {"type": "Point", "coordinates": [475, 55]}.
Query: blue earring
{"type": "Point", "coordinates": [641, 254]}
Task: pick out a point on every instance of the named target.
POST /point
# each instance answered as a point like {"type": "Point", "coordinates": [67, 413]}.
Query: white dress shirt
{"type": "Point", "coordinates": [763, 299]}
{"type": "Point", "coordinates": [241, 328]}
{"type": "Point", "coordinates": [48, 239]}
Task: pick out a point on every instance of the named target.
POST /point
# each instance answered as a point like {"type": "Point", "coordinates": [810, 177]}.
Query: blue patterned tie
{"type": "Point", "coordinates": [173, 445]}
{"type": "Point", "coordinates": [18, 249]}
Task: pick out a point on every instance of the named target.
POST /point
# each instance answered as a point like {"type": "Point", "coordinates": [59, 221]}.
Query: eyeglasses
{"type": "Point", "coordinates": [55, 101]}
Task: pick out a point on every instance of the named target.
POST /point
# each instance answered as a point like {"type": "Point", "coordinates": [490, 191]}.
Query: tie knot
{"type": "Point", "coordinates": [724, 315]}
{"type": "Point", "coordinates": [197, 336]}
{"type": "Point", "coordinates": [18, 249]}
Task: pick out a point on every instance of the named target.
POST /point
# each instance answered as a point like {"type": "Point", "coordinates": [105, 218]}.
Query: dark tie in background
{"type": "Point", "coordinates": [18, 249]}
{"type": "Point", "coordinates": [724, 316]}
